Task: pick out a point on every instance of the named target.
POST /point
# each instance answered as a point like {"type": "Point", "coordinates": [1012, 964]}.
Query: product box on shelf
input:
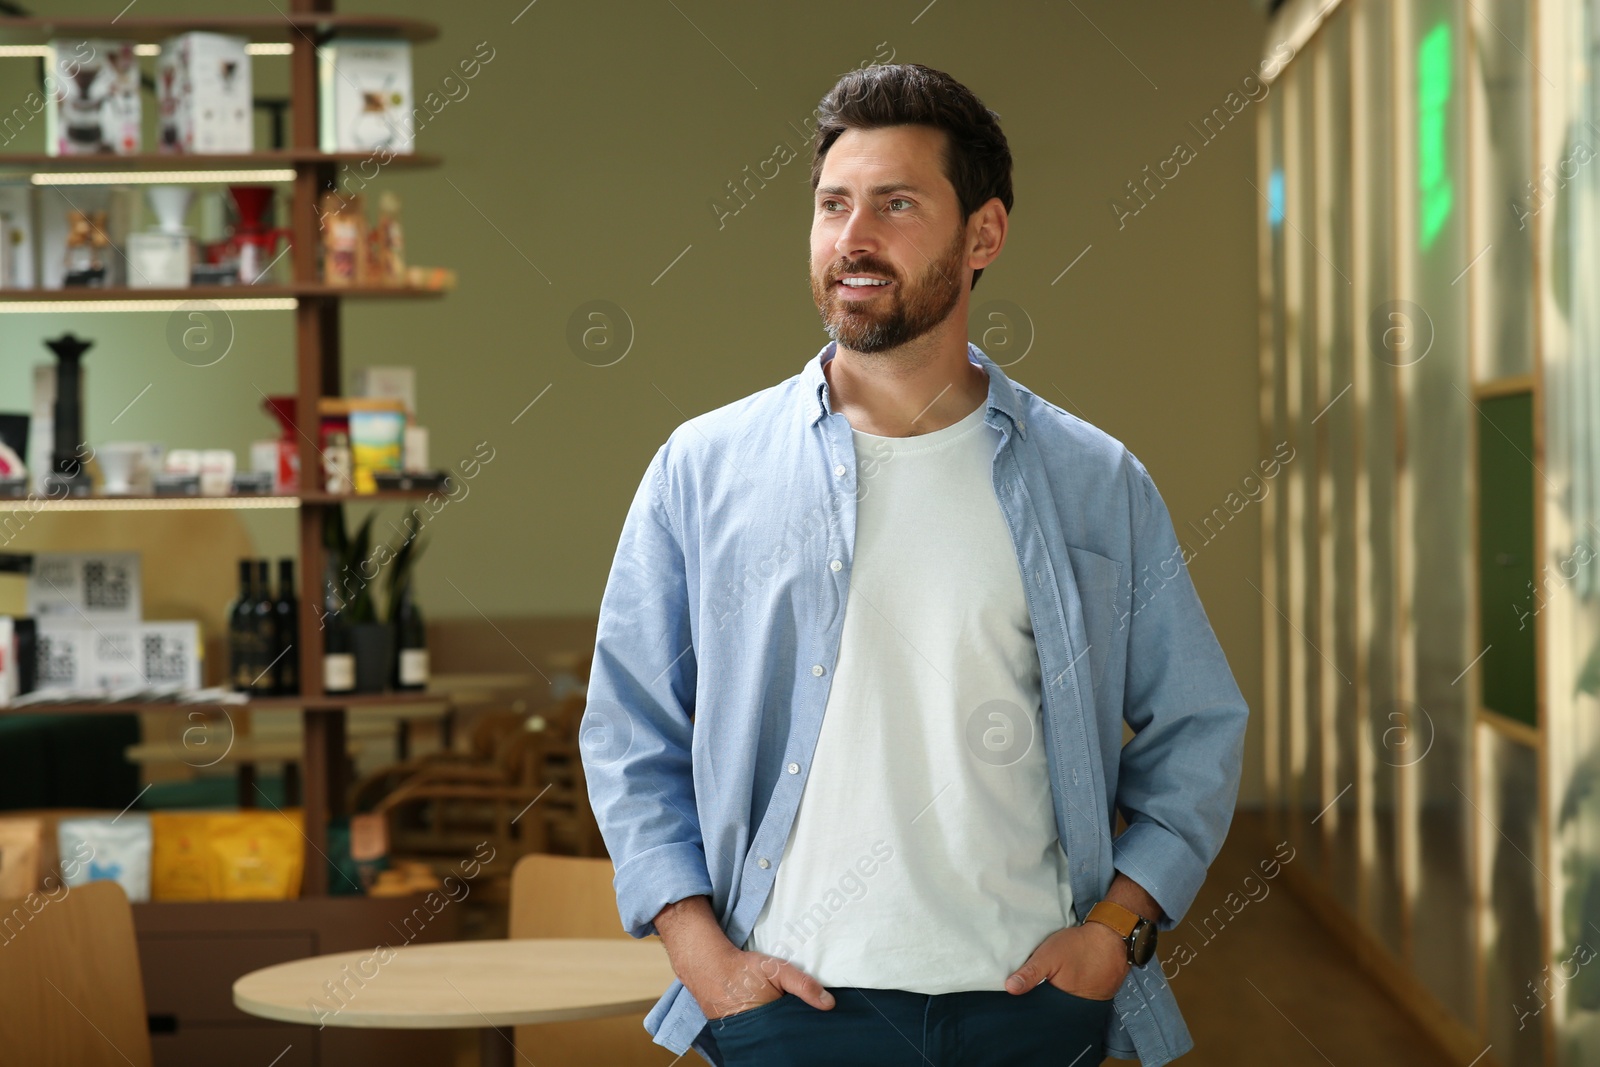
{"type": "Point", "coordinates": [389, 383]}
{"type": "Point", "coordinates": [364, 95]}
{"type": "Point", "coordinates": [98, 848]}
{"type": "Point", "coordinates": [17, 230]}
{"type": "Point", "coordinates": [81, 589]}
{"type": "Point", "coordinates": [81, 241]}
{"type": "Point", "coordinates": [62, 657]}
{"type": "Point", "coordinates": [20, 847]}
{"type": "Point", "coordinates": [93, 105]}
{"type": "Point", "coordinates": [10, 681]}
{"type": "Point", "coordinates": [155, 654]}
{"type": "Point", "coordinates": [203, 87]}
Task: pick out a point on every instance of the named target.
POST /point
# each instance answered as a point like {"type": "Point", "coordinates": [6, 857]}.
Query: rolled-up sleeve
{"type": "Point", "coordinates": [637, 723]}
{"type": "Point", "coordinates": [1178, 780]}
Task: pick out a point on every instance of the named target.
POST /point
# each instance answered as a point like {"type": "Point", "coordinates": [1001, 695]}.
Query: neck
{"type": "Point", "coordinates": [915, 389]}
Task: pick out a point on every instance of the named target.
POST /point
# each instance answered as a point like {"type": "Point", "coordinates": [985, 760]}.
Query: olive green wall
{"type": "Point", "coordinates": [583, 164]}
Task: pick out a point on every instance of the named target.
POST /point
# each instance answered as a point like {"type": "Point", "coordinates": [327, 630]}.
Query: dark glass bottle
{"type": "Point", "coordinates": [286, 610]}
{"type": "Point", "coordinates": [242, 654]}
{"type": "Point", "coordinates": [266, 627]}
{"type": "Point", "coordinates": [338, 648]}
{"type": "Point", "coordinates": [410, 644]}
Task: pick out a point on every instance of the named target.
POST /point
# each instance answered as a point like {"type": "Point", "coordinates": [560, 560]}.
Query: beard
{"type": "Point", "coordinates": [905, 313]}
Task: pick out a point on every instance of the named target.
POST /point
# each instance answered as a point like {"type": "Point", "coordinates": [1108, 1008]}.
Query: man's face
{"type": "Point", "coordinates": [885, 211]}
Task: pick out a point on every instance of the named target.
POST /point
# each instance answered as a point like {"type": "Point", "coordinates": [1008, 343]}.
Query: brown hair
{"type": "Point", "coordinates": [977, 159]}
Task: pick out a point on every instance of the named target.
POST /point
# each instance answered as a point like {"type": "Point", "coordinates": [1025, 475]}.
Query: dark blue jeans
{"type": "Point", "coordinates": [1045, 1026]}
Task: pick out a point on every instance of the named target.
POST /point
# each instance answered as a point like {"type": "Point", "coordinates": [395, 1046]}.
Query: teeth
{"type": "Point", "coordinates": [859, 282]}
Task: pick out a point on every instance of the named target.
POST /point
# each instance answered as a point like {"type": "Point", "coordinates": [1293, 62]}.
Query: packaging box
{"type": "Point", "coordinates": [145, 654]}
{"type": "Point", "coordinates": [389, 383]}
{"type": "Point", "coordinates": [20, 841]}
{"type": "Point", "coordinates": [256, 855]}
{"type": "Point", "coordinates": [180, 855]}
{"type": "Point", "coordinates": [10, 680]}
{"type": "Point", "coordinates": [93, 105]}
{"type": "Point", "coordinates": [364, 95]}
{"type": "Point", "coordinates": [159, 260]}
{"type": "Point", "coordinates": [203, 87]}
{"type": "Point", "coordinates": [63, 657]}
{"type": "Point", "coordinates": [120, 207]}
{"type": "Point", "coordinates": [377, 440]}
{"type": "Point", "coordinates": [100, 849]}
{"type": "Point", "coordinates": [17, 241]}
{"type": "Point", "coordinates": [85, 588]}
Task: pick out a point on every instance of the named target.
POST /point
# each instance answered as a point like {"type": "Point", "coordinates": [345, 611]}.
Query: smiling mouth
{"type": "Point", "coordinates": [868, 286]}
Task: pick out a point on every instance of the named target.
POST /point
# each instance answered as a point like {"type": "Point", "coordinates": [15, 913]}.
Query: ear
{"type": "Point", "coordinates": [986, 233]}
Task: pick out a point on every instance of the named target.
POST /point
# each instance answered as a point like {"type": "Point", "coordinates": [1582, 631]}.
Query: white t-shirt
{"type": "Point", "coordinates": [924, 855]}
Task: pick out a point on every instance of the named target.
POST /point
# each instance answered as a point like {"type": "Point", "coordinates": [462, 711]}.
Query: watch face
{"type": "Point", "coordinates": [1143, 941]}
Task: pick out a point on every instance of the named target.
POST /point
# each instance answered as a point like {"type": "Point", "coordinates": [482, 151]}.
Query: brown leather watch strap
{"type": "Point", "coordinates": [1114, 915]}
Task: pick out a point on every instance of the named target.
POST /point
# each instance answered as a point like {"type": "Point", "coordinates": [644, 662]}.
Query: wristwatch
{"type": "Point", "coordinates": [1133, 928]}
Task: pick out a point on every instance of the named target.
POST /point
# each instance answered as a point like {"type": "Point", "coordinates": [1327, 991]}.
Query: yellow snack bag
{"type": "Point", "coordinates": [180, 861]}
{"type": "Point", "coordinates": [257, 855]}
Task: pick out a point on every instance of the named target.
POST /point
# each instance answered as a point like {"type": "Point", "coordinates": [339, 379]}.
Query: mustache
{"type": "Point", "coordinates": [863, 267]}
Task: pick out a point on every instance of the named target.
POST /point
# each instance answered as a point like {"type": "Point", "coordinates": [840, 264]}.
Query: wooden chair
{"type": "Point", "coordinates": [447, 803]}
{"type": "Point", "coordinates": [572, 896]}
{"type": "Point", "coordinates": [70, 981]}
{"type": "Point", "coordinates": [568, 821]}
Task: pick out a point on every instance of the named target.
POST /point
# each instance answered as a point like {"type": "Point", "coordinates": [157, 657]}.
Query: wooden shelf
{"type": "Point", "coordinates": [144, 161]}
{"type": "Point", "coordinates": [296, 27]}
{"type": "Point", "coordinates": [353, 701]}
{"type": "Point", "coordinates": [300, 290]}
{"type": "Point", "coordinates": [241, 502]}
{"type": "Point", "coordinates": [317, 327]}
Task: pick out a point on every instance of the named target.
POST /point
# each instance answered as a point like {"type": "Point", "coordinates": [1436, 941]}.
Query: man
{"type": "Point", "coordinates": [866, 652]}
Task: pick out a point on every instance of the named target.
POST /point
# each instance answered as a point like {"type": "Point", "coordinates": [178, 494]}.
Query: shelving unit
{"type": "Point", "coordinates": [146, 161]}
{"type": "Point", "coordinates": [296, 290]}
{"type": "Point", "coordinates": [316, 308]}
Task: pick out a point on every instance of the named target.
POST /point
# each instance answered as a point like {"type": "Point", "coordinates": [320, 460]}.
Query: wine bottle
{"type": "Point", "coordinates": [286, 609]}
{"type": "Point", "coordinates": [410, 642]}
{"type": "Point", "coordinates": [266, 627]}
{"type": "Point", "coordinates": [242, 654]}
{"type": "Point", "coordinates": [338, 647]}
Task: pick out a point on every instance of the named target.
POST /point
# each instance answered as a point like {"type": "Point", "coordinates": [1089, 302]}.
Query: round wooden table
{"type": "Point", "coordinates": [486, 985]}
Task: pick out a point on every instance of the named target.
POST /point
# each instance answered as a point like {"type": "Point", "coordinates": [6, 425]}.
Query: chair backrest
{"type": "Point", "coordinates": [563, 896]}
{"type": "Point", "coordinates": [70, 981]}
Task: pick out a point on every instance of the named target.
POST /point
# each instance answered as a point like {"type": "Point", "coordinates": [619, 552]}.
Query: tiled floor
{"type": "Point", "coordinates": [1272, 986]}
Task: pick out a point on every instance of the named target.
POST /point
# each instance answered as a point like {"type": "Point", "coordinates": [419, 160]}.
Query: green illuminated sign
{"type": "Point", "coordinates": [1433, 100]}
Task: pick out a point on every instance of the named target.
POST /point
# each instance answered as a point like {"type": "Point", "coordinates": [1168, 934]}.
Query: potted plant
{"type": "Point", "coordinates": [351, 595]}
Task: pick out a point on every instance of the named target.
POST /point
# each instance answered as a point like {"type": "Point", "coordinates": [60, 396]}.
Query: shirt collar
{"type": "Point", "coordinates": [814, 397]}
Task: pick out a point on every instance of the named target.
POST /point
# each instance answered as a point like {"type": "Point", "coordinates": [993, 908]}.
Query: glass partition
{"type": "Point", "coordinates": [1436, 386]}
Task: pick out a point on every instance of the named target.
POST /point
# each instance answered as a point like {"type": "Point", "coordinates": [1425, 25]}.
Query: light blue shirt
{"type": "Point", "coordinates": [719, 632]}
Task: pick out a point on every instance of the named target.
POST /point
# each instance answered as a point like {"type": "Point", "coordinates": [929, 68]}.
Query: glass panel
{"type": "Point", "coordinates": [1275, 629]}
{"type": "Point", "coordinates": [1337, 422]}
{"type": "Point", "coordinates": [1382, 749]}
{"type": "Point", "coordinates": [1505, 200]}
{"type": "Point", "coordinates": [1569, 624]}
{"type": "Point", "coordinates": [1307, 657]}
{"type": "Point", "coordinates": [1436, 524]}
{"type": "Point", "coordinates": [1299, 356]}
{"type": "Point", "coordinates": [1512, 874]}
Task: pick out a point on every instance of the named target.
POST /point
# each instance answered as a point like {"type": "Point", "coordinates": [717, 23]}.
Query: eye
{"type": "Point", "coordinates": [900, 200]}
{"type": "Point", "coordinates": [825, 204]}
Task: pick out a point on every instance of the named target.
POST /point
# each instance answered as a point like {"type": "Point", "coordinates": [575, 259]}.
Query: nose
{"type": "Point", "coordinates": [859, 236]}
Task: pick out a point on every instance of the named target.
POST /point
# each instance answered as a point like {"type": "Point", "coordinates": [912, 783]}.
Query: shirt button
{"type": "Point", "coordinates": [839, 470]}
{"type": "Point", "coordinates": [763, 863]}
{"type": "Point", "coordinates": [836, 565]}
{"type": "Point", "coordinates": [794, 768]}
{"type": "Point", "coordinates": [817, 670]}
